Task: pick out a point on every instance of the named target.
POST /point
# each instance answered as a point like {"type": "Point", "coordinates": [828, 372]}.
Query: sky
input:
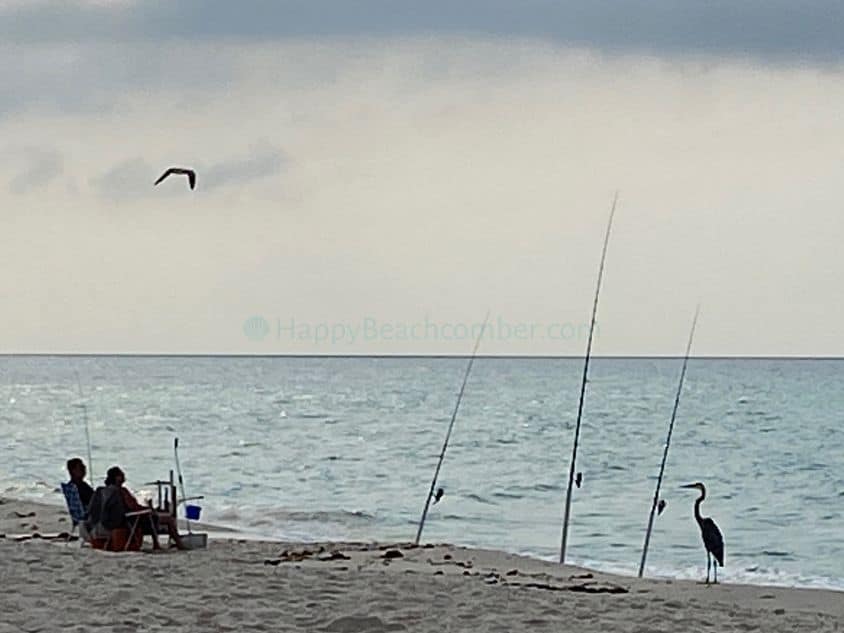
{"type": "Point", "coordinates": [376, 176]}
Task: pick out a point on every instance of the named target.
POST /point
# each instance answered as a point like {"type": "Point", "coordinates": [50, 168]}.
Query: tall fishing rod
{"type": "Point", "coordinates": [85, 417]}
{"type": "Point", "coordinates": [567, 512]}
{"type": "Point", "coordinates": [448, 433]}
{"type": "Point", "coordinates": [667, 444]}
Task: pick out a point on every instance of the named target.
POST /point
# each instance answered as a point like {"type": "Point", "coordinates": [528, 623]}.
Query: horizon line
{"type": "Point", "coordinates": [410, 356]}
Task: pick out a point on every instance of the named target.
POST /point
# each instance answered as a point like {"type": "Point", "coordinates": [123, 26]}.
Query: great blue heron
{"type": "Point", "coordinates": [713, 541]}
{"type": "Point", "coordinates": [181, 171]}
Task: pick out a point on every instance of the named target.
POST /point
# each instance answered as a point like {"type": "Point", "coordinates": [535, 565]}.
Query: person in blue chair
{"type": "Point", "coordinates": [77, 471]}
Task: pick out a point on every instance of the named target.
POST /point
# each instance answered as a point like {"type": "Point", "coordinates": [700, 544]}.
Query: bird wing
{"type": "Point", "coordinates": [190, 173]}
{"type": "Point", "coordinates": [713, 539]}
{"type": "Point", "coordinates": [164, 175]}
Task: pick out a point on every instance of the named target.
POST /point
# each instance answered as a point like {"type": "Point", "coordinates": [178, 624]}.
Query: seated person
{"type": "Point", "coordinates": [107, 524]}
{"type": "Point", "coordinates": [77, 471]}
{"type": "Point", "coordinates": [150, 523]}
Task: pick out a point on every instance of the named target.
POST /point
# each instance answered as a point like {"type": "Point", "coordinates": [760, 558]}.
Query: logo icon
{"type": "Point", "coordinates": [256, 328]}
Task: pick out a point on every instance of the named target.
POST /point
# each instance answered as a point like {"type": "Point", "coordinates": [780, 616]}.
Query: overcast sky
{"type": "Point", "coordinates": [375, 175]}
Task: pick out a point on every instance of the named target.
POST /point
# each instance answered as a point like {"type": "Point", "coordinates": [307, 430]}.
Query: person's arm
{"type": "Point", "coordinates": [130, 503]}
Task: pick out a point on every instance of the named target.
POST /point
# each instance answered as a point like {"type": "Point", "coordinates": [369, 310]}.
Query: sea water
{"type": "Point", "coordinates": [345, 448]}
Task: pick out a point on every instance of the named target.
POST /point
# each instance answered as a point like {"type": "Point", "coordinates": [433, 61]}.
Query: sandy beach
{"type": "Point", "coordinates": [247, 585]}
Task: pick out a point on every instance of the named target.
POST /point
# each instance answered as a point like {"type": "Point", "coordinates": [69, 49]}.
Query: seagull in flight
{"type": "Point", "coordinates": [181, 171]}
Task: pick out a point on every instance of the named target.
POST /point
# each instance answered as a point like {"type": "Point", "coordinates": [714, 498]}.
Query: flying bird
{"type": "Point", "coordinates": [661, 507]}
{"type": "Point", "coordinates": [578, 479]}
{"type": "Point", "coordinates": [713, 541]}
{"type": "Point", "coordinates": [439, 495]}
{"type": "Point", "coordinates": [181, 171]}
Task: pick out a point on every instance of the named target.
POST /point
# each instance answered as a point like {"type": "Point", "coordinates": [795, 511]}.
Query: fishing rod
{"type": "Point", "coordinates": [181, 484]}
{"type": "Point", "coordinates": [448, 433]}
{"type": "Point", "coordinates": [567, 512]}
{"type": "Point", "coordinates": [85, 417]}
{"type": "Point", "coordinates": [667, 444]}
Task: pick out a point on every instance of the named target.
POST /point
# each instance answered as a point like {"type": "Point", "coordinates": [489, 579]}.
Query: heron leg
{"type": "Point", "coordinates": [708, 565]}
{"type": "Point", "coordinates": [715, 569]}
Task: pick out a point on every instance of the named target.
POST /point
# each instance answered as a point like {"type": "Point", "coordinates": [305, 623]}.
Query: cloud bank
{"type": "Point", "coordinates": [769, 29]}
{"type": "Point", "coordinates": [408, 168]}
{"type": "Point", "coordinates": [429, 180]}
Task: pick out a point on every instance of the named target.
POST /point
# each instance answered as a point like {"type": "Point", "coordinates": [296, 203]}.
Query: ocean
{"type": "Point", "coordinates": [345, 448]}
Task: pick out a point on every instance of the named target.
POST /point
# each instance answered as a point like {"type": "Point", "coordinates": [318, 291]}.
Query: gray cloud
{"type": "Point", "coordinates": [85, 77]}
{"type": "Point", "coordinates": [40, 168]}
{"type": "Point", "coordinates": [776, 29]}
{"type": "Point", "coordinates": [85, 57]}
{"type": "Point", "coordinates": [262, 163]}
{"type": "Point", "coordinates": [133, 178]}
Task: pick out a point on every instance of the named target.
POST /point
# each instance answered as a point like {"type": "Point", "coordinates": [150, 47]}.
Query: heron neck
{"type": "Point", "coordinates": [697, 506]}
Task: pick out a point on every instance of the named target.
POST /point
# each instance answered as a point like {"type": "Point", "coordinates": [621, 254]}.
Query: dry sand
{"type": "Point", "coordinates": [240, 585]}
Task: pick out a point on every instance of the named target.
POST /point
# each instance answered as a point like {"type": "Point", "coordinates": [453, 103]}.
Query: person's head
{"type": "Point", "coordinates": [76, 469]}
{"type": "Point", "coordinates": [115, 476]}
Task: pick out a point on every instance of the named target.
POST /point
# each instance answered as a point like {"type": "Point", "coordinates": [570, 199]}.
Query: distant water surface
{"type": "Point", "coordinates": [344, 448]}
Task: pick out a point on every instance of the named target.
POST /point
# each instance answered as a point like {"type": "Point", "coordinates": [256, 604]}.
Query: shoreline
{"type": "Point", "coordinates": [241, 584]}
{"type": "Point", "coordinates": [53, 518]}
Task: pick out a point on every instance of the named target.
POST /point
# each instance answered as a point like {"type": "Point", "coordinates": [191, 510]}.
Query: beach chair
{"type": "Point", "coordinates": [115, 539]}
{"type": "Point", "coordinates": [76, 511]}
{"type": "Point", "coordinates": [121, 539]}
{"type": "Point", "coordinates": [135, 520]}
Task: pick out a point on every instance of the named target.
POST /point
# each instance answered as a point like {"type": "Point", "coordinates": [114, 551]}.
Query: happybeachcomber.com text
{"type": "Point", "coordinates": [370, 329]}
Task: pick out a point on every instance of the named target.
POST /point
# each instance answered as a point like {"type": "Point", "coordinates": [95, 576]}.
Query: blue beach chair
{"type": "Point", "coordinates": [76, 511]}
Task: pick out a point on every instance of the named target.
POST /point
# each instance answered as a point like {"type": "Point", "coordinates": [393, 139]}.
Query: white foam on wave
{"type": "Point", "coordinates": [35, 490]}
{"type": "Point", "coordinates": [738, 573]}
{"type": "Point", "coordinates": [293, 525]}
